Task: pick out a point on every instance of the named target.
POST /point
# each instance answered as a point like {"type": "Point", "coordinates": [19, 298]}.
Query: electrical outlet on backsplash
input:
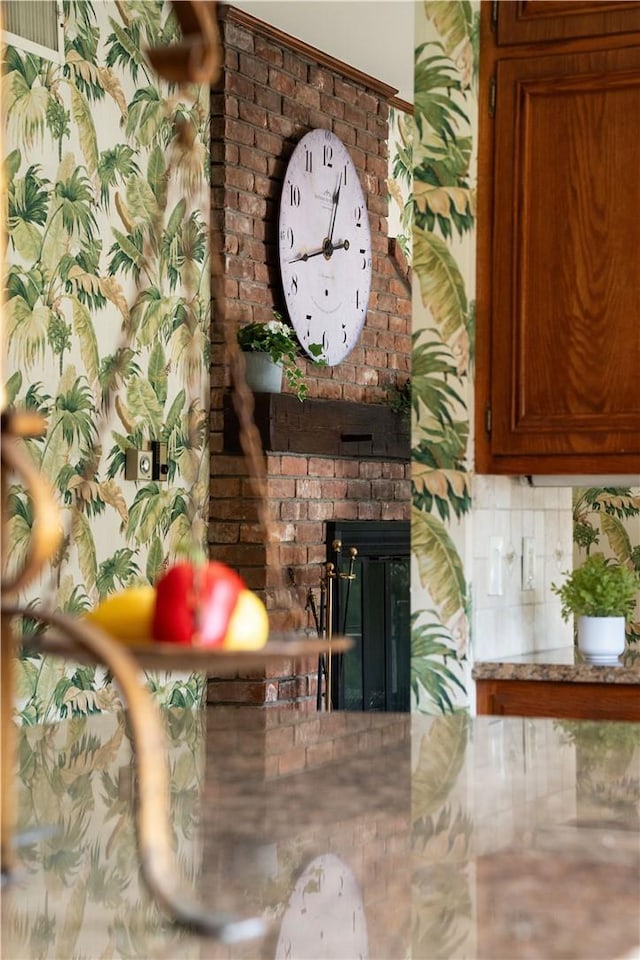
{"type": "Point", "coordinates": [526, 616]}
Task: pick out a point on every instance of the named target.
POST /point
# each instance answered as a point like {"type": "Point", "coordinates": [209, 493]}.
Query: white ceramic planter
{"type": "Point", "coordinates": [601, 639]}
{"type": "Point", "coordinates": [262, 374]}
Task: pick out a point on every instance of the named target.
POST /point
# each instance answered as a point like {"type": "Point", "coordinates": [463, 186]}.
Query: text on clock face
{"type": "Point", "coordinates": [325, 245]}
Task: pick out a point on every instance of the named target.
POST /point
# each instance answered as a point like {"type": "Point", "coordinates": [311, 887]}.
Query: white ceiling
{"type": "Point", "coordinates": [375, 36]}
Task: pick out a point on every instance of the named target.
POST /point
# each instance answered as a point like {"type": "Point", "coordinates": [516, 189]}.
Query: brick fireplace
{"type": "Point", "coordinates": [343, 454]}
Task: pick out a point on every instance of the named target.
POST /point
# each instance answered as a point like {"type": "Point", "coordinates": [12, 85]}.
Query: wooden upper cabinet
{"type": "Point", "coordinates": [533, 21]}
{"type": "Point", "coordinates": [559, 263]}
{"type": "Point", "coordinates": [567, 254]}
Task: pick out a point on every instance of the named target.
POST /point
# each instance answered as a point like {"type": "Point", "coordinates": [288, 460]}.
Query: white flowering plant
{"type": "Point", "coordinates": [278, 339]}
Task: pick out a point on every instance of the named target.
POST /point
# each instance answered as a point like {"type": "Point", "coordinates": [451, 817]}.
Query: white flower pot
{"type": "Point", "coordinates": [262, 374]}
{"type": "Point", "coordinates": [601, 639]}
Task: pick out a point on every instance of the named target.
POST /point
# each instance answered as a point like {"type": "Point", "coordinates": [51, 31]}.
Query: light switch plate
{"type": "Point", "coordinates": [496, 548]}
{"type": "Point", "coordinates": [528, 563]}
{"type": "Point", "coordinates": [160, 465]}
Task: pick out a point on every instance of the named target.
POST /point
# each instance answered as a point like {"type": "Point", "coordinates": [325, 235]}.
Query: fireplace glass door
{"type": "Point", "coordinates": [373, 610]}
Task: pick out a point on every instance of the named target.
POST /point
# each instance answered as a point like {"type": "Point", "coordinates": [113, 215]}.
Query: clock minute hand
{"type": "Point", "coordinates": [307, 256]}
{"type": "Point", "coordinates": [326, 249]}
{"type": "Point", "coordinates": [334, 210]}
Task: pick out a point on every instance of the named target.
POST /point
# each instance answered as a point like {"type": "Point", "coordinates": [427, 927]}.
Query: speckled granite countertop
{"type": "Point", "coordinates": [354, 835]}
{"type": "Point", "coordinates": [563, 665]}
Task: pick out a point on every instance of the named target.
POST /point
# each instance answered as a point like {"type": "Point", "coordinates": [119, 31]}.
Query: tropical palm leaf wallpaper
{"type": "Point", "coordinates": [443, 216]}
{"type": "Point", "coordinates": [107, 315]}
{"type": "Point", "coordinates": [400, 179]}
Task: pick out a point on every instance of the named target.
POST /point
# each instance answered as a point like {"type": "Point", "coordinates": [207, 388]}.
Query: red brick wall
{"type": "Point", "coordinates": [274, 92]}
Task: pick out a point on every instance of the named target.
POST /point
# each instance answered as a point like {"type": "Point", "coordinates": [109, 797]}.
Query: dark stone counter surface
{"type": "Point", "coordinates": [562, 665]}
{"type": "Point", "coordinates": [353, 835]}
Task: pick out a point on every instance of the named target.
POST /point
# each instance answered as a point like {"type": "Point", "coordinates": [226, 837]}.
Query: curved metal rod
{"type": "Point", "coordinates": [152, 808]}
{"type": "Point", "coordinates": [197, 58]}
{"type": "Point", "coordinates": [46, 531]}
{"type": "Point", "coordinates": [45, 536]}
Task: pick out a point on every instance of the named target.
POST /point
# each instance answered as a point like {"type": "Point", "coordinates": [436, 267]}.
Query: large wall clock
{"type": "Point", "coordinates": [324, 243]}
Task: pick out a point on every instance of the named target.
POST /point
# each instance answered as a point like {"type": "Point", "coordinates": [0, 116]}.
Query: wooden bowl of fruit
{"type": "Point", "coordinates": [198, 616]}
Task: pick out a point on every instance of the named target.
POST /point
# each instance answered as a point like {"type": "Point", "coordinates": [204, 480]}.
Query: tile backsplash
{"type": "Point", "coordinates": [518, 620]}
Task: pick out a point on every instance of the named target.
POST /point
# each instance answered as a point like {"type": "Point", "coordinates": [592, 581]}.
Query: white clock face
{"type": "Point", "coordinates": [324, 242]}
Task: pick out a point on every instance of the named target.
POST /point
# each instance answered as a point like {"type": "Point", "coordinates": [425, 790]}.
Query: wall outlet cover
{"type": "Point", "coordinates": [138, 464]}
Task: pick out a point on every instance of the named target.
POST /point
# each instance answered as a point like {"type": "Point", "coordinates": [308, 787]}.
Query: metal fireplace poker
{"type": "Point", "coordinates": [323, 618]}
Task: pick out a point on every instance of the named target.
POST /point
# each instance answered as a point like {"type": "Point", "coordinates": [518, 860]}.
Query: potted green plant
{"type": "Point", "coordinates": [271, 349]}
{"type": "Point", "coordinates": [601, 594]}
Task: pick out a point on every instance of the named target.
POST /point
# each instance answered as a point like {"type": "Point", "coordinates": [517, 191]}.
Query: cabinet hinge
{"type": "Point", "coordinates": [487, 420]}
{"type": "Point", "coordinates": [494, 15]}
{"type": "Point", "coordinates": [492, 97]}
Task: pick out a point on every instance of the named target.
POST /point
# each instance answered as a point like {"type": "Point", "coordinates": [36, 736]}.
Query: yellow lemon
{"type": "Point", "coordinates": [248, 625]}
{"type": "Point", "coordinates": [126, 615]}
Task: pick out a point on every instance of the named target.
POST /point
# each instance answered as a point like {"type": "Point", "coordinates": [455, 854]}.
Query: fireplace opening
{"type": "Point", "coordinates": [374, 611]}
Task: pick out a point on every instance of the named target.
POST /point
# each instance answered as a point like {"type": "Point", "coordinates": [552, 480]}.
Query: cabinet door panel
{"type": "Point", "coordinates": [533, 21]}
{"type": "Point", "coordinates": [566, 256]}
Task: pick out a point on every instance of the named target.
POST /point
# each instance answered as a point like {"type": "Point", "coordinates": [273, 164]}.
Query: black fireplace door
{"type": "Point", "coordinates": [374, 611]}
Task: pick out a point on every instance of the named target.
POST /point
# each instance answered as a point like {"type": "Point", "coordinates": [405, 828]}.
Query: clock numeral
{"type": "Point", "coordinates": [366, 261]}
{"type": "Point", "coordinates": [308, 160]}
{"type": "Point", "coordinates": [357, 299]}
{"type": "Point", "coordinates": [288, 236]}
{"type": "Point", "coordinates": [294, 283]}
{"type": "Point", "coordinates": [325, 341]}
{"type": "Point", "coordinates": [344, 329]}
{"type": "Point", "coordinates": [327, 155]}
{"type": "Point", "coordinates": [294, 196]}
{"type": "Point", "coordinates": [343, 176]}
{"type": "Point", "coordinates": [357, 216]}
